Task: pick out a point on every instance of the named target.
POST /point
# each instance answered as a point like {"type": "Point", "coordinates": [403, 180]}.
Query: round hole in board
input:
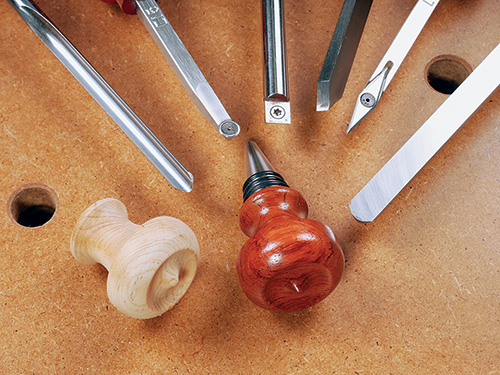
{"type": "Point", "coordinates": [445, 73]}
{"type": "Point", "coordinates": [32, 205]}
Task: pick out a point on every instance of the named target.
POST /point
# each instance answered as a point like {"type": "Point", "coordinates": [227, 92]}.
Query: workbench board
{"type": "Point", "coordinates": [420, 293]}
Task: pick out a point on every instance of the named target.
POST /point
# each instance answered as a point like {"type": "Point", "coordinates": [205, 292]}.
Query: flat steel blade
{"type": "Point", "coordinates": [341, 52]}
{"type": "Point", "coordinates": [393, 59]}
{"type": "Point", "coordinates": [427, 140]}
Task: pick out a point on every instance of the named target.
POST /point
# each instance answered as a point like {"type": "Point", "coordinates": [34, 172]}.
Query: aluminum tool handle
{"type": "Point", "coordinates": [107, 98]}
{"type": "Point", "coordinates": [185, 68]}
{"type": "Point", "coordinates": [276, 80]}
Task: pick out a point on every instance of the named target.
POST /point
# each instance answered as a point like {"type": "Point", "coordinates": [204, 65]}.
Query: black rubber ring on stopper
{"type": "Point", "coordinates": [261, 180]}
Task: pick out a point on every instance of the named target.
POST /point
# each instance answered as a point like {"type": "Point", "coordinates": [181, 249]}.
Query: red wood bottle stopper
{"type": "Point", "coordinates": [289, 263]}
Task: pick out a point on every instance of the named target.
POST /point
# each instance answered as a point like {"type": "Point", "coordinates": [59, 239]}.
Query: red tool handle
{"type": "Point", "coordinates": [126, 5]}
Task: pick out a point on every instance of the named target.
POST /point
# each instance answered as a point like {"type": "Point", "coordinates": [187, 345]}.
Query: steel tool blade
{"type": "Point", "coordinates": [341, 51]}
{"type": "Point", "coordinates": [184, 66]}
{"type": "Point", "coordinates": [427, 140]}
{"type": "Point", "coordinates": [368, 98]}
{"type": "Point", "coordinates": [276, 100]}
{"type": "Point", "coordinates": [166, 163]}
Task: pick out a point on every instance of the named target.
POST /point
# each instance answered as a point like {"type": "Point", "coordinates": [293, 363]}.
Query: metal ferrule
{"type": "Point", "coordinates": [259, 171]}
{"type": "Point", "coordinates": [261, 180]}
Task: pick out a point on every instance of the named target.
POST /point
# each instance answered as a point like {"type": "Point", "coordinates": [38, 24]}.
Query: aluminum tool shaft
{"type": "Point", "coordinates": [340, 55]}
{"type": "Point", "coordinates": [393, 58]}
{"type": "Point", "coordinates": [427, 140]}
{"type": "Point", "coordinates": [102, 92]}
{"type": "Point", "coordinates": [276, 100]}
{"type": "Point", "coordinates": [185, 68]}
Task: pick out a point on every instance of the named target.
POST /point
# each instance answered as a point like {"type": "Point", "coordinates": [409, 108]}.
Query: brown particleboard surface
{"type": "Point", "coordinates": [420, 293]}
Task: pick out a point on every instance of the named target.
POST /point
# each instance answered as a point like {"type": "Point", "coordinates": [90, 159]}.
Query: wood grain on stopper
{"type": "Point", "coordinates": [289, 263]}
{"type": "Point", "coordinates": [150, 265]}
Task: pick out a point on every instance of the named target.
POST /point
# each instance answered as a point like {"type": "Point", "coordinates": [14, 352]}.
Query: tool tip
{"type": "Point", "coordinates": [277, 112]}
{"type": "Point", "coordinates": [184, 182]}
{"type": "Point", "coordinates": [322, 106]}
{"type": "Point", "coordinates": [255, 160]}
{"type": "Point", "coordinates": [351, 126]}
{"type": "Point", "coordinates": [360, 211]}
{"type": "Point", "coordinates": [229, 128]}
{"type": "Point", "coordinates": [323, 96]}
{"type": "Point", "coordinates": [360, 112]}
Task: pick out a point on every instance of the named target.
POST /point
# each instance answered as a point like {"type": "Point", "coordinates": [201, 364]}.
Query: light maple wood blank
{"type": "Point", "coordinates": [150, 265]}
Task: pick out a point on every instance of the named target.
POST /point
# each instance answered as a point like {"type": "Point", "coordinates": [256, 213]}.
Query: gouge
{"type": "Point", "coordinates": [108, 99]}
